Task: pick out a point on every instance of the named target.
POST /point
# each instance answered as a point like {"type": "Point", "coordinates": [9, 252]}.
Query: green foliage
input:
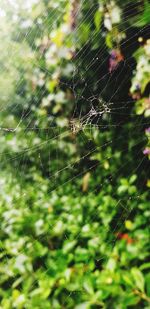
{"type": "Point", "coordinates": [74, 194]}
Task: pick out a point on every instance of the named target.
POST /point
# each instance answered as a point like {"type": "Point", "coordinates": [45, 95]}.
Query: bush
{"type": "Point", "coordinates": [75, 149]}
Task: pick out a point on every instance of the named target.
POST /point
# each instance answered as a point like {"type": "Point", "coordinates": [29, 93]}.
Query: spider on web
{"type": "Point", "coordinates": [75, 125]}
{"type": "Point", "coordinates": [78, 124]}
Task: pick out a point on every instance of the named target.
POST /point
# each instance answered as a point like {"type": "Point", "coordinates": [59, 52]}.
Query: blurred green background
{"type": "Point", "coordinates": [75, 150]}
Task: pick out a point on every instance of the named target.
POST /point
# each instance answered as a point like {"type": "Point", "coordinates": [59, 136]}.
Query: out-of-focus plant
{"type": "Point", "coordinates": [75, 203]}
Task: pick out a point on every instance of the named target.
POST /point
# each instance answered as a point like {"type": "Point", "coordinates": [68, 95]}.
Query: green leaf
{"type": "Point", "coordinates": [68, 246]}
{"type": "Point", "coordinates": [145, 17]}
{"type": "Point", "coordinates": [85, 305]}
{"type": "Point", "coordinates": [145, 266]}
{"type": "Point", "coordinates": [109, 41]}
{"type": "Point", "coordinates": [130, 299]}
{"type": "Point", "coordinates": [88, 286]}
{"type": "Point", "coordinates": [97, 19]}
{"type": "Point", "coordinates": [132, 179]}
{"type": "Point", "coordinates": [147, 283]}
{"type": "Point", "coordinates": [127, 280]}
{"type": "Point", "coordinates": [138, 278]}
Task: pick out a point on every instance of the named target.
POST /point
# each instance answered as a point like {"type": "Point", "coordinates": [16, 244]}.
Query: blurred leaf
{"type": "Point", "coordinates": [138, 278]}
{"type": "Point", "coordinates": [97, 19]}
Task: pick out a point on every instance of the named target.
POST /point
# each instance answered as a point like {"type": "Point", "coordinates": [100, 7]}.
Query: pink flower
{"type": "Point", "coordinates": [115, 58]}
{"type": "Point", "coordinates": [146, 151]}
{"type": "Point", "coordinates": [147, 131]}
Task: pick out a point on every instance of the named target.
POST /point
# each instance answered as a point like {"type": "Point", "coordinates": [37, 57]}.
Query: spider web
{"type": "Point", "coordinates": [85, 127]}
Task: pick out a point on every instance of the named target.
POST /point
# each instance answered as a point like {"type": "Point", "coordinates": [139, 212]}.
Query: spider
{"type": "Point", "coordinates": [75, 125]}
